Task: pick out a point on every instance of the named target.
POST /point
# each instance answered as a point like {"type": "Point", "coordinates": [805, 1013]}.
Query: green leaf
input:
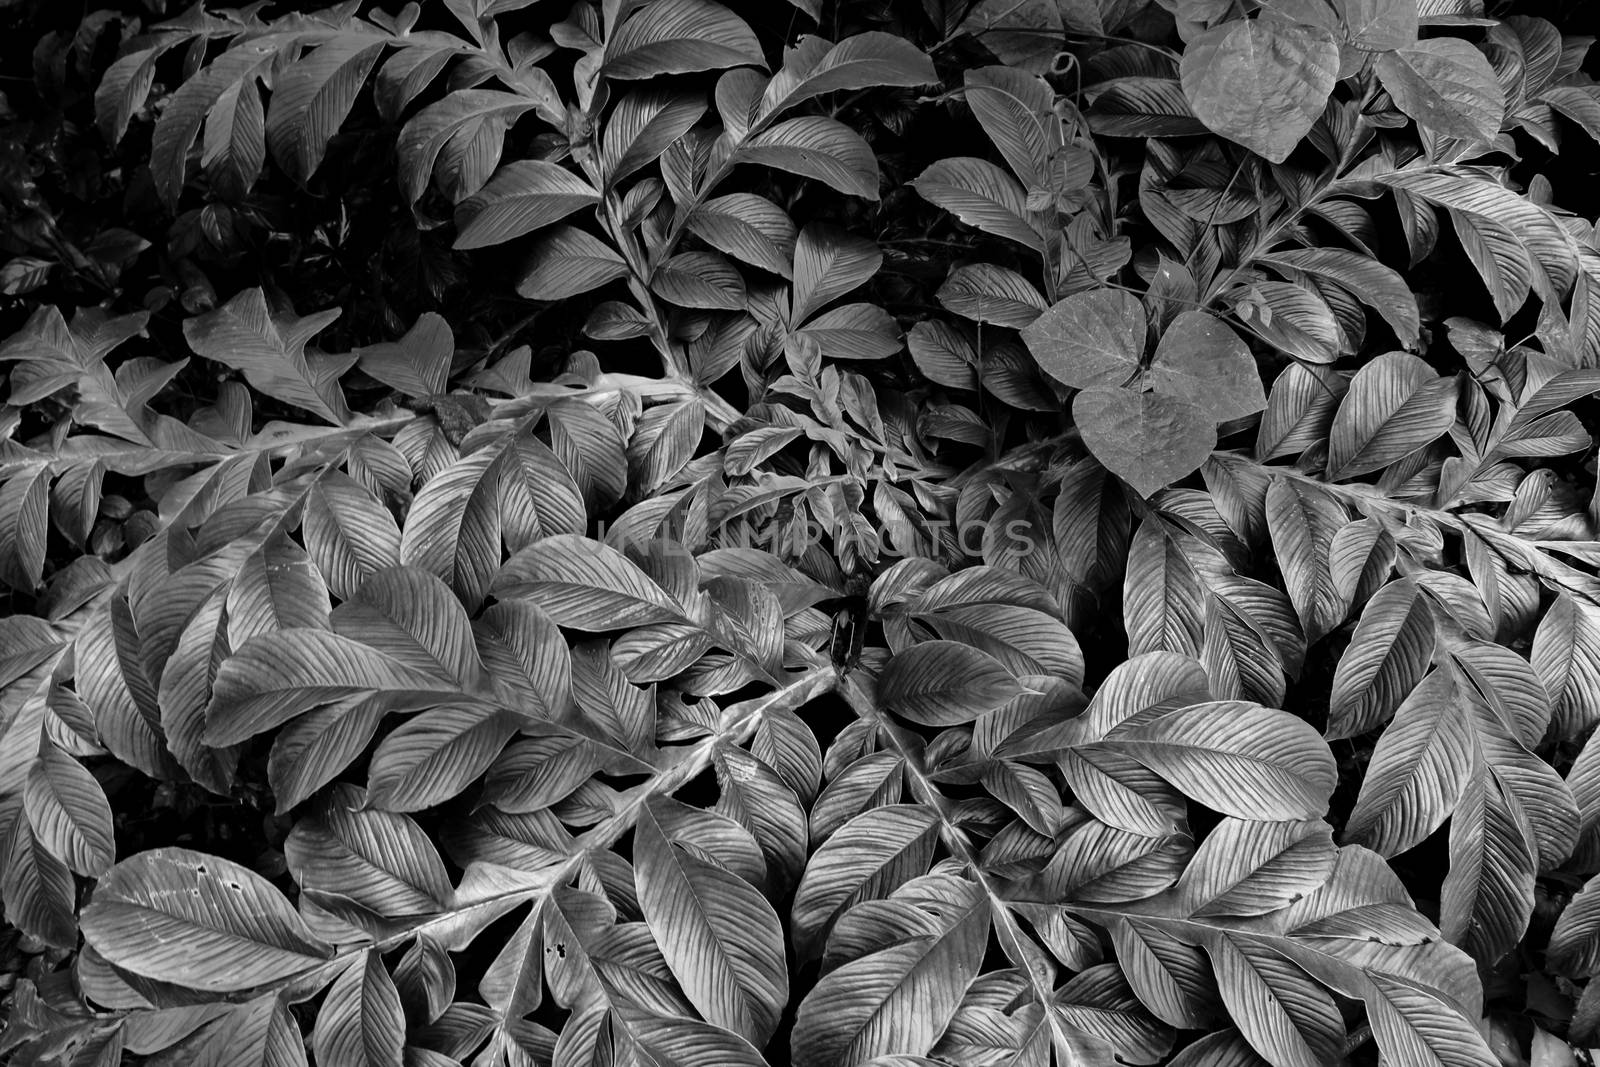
{"type": "Point", "coordinates": [1146, 439]}
{"type": "Point", "coordinates": [1261, 83]}
{"type": "Point", "coordinates": [941, 683]}
{"type": "Point", "coordinates": [198, 921]}
{"type": "Point", "coordinates": [1447, 86]}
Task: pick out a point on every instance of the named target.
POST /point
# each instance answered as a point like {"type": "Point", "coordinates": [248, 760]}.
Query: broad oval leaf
{"type": "Point", "coordinates": [1260, 82]}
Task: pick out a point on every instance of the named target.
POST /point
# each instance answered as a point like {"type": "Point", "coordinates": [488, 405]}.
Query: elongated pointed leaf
{"type": "Point", "coordinates": [200, 921]}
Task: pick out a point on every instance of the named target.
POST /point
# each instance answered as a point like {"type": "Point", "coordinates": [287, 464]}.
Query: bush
{"type": "Point", "coordinates": [1074, 539]}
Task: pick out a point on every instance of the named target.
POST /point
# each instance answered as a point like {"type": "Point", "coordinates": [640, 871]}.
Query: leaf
{"type": "Point", "coordinates": [37, 887]}
{"type": "Point", "coordinates": [749, 228]}
{"type": "Point", "coordinates": [1487, 896]}
{"type": "Point", "coordinates": [68, 812]}
{"type": "Point", "coordinates": [585, 585]}
{"type": "Point", "coordinates": [198, 921]}
{"type": "Point", "coordinates": [1566, 655]}
{"type": "Point", "coordinates": [24, 507]}
{"type": "Point", "coordinates": [1091, 339]}
{"type": "Point", "coordinates": [1017, 112]}
{"type": "Point", "coordinates": [1293, 318]}
{"type": "Point", "coordinates": [679, 36]}
{"type": "Point", "coordinates": [820, 148]}
{"type": "Point", "coordinates": [719, 936]}
{"type": "Point", "coordinates": [1237, 758]}
{"type": "Point", "coordinates": [1447, 86]}
{"type": "Point", "coordinates": [899, 998]}
{"type": "Point", "coordinates": [699, 280]}
{"type": "Point", "coordinates": [1146, 439]}
{"type": "Point", "coordinates": [642, 127]}
{"type": "Point", "coordinates": [984, 292]}
{"type": "Point", "coordinates": [828, 263]}
{"type": "Point", "coordinates": [943, 354]}
{"type": "Point", "coordinates": [942, 683]}
{"type": "Point", "coordinates": [360, 1022]}
{"type": "Point", "coordinates": [1388, 655]}
{"type": "Point", "coordinates": [471, 120]}
{"type": "Point", "coordinates": [277, 676]}
{"type": "Point", "coordinates": [412, 618]}
{"type": "Point", "coordinates": [1380, 25]}
{"type": "Point", "coordinates": [311, 98]}
{"type": "Point", "coordinates": [1396, 405]}
{"type": "Point", "coordinates": [437, 754]}
{"type": "Point", "coordinates": [1418, 770]}
{"type": "Point", "coordinates": [858, 62]}
{"type": "Point", "coordinates": [1376, 285]}
{"type": "Point", "coordinates": [1282, 1013]}
{"type": "Point", "coordinates": [1415, 1024]}
{"type": "Point", "coordinates": [270, 350]}
{"type": "Point", "coordinates": [981, 195]}
{"type": "Point", "coordinates": [1142, 107]}
{"type": "Point", "coordinates": [419, 363]}
{"type": "Point", "coordinates": [379, 861]}
{"type": "Point", "coordinates": [456, 523]}
{"type": "Point", "coordinates": [1251, 868]}
{"type": "Point", "coordinates": [566, 262]}
{"type": "Point", "coordinates": [1302, 521]}
{"type": "Point", "coordinates": [868, 857]}
{"type": "Point", "coordinates": [523, 196]}
{"type": "Point", "coordinates": [1261, 83]}
{"type": "Point", "coordinates": [1202, 361]}
{"type": "Point", "coordinates": [349, 534]}
{"type": "Point", "coordinates": [277, 588]}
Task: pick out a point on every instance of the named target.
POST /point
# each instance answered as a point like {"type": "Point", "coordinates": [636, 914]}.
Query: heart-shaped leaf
{"type": "Point", "coordinates": [1146, 439]}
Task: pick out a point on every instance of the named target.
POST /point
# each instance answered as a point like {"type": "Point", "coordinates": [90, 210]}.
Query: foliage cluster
{"type": "Point", "coordinates": [1013, 532]}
